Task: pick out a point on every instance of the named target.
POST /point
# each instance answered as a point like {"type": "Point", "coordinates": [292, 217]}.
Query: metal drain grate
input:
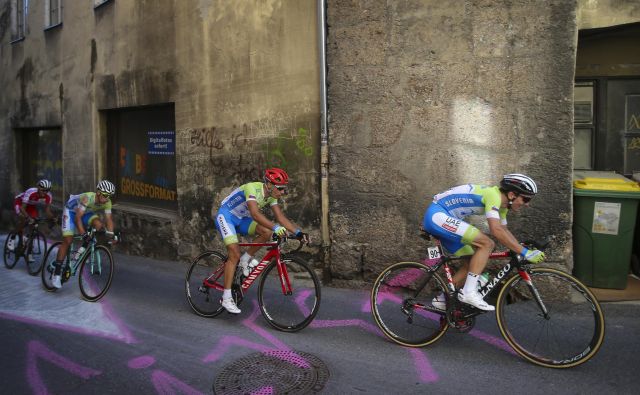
{"type": "Point", "coordinates": [273, 372]}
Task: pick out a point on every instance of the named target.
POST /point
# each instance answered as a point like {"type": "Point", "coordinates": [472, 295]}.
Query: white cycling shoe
{"type": "Point", "coordinates": [230, 306]}
{"type": "Point", "coordinates": [475, 300]}
{"type": "Point", "coordinates": [439, 302]}
{"type": "Point", "coordinates": [55, 281]}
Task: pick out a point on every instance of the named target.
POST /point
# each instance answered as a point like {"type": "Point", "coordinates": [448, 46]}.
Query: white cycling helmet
{"type": "Point", "coordinates": [519, 183]}
{"type": "Point", "coordinates": [106, 188]}
{"type": "Point", "coordinates": [44, 184]}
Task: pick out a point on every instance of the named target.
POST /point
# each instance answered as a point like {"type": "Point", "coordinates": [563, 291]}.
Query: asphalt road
{"type": "Point", "coordinates": [143, 338]}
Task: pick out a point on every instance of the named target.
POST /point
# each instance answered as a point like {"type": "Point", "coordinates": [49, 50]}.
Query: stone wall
{"type": "Point", "coordinates": [425, 95]}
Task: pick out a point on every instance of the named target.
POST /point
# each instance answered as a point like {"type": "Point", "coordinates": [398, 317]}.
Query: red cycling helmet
{"type": "Point", "coordinates": [276, 176]}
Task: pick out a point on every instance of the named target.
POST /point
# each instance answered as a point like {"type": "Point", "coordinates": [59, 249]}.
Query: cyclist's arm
{"type": "Point", "coordinates": [79, 213]}
{"type": "Point", "coordinates": [109, 221]}
{"type": "Point", "coordinates": [47, 211]}
{"type": "Point", "coordinates": [282, 219]}
{"type": "Point", "coordinates": [257, 215]}
{"type": "Point", "coordinates": [23, 210]}
{"type": "Point", "coordinates": [504, 235]}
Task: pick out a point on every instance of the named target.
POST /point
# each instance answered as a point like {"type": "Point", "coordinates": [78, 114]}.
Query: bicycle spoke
{"type": "Point", "coordinates": [96, 273]}
{"type": "Point", "coordinates": [204, 284]}
{"type": "Point", "coordinates": [402, 304]}
{"type": "Point", "coordinates": [570, 334]}
{"type": "Point", "coordinates": [12, 245]}
{"type": "Point", "coordinates": [295, 307]}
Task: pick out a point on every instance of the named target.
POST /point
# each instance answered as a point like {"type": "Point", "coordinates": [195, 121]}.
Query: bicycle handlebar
{"type": "Point", "coordinates": [283, 239]}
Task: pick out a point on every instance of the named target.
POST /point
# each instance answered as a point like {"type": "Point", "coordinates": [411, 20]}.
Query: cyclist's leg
{"type": "Point", "coordinates": [226, 225]}
{"type": "Point", "coordinates": [458, 236]}
{"type": "Point", "coordinates": [261, 233]}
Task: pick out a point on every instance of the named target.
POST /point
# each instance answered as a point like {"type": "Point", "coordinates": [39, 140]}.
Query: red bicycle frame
{"type": "Point", "coordinates": [273, 252]}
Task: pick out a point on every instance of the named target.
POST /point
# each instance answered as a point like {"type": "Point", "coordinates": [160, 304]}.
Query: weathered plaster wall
{"type": "Point", "coordinates": [593, 14]}
{"type": "Point", "coordinates": [244, 80]}
{"type": "Point", "coordinates": [424, 95]}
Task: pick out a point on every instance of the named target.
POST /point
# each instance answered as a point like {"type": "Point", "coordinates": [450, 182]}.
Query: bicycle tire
{"type": "Point", "coordinates": [11, 257]}
{"type": "Point", "coordinates": [37, 249]}
{"type": "Point", "coordinates": [575, 318]}
{"type": "Point", "coordinates": [46, 273]}
{"type": "Point", "coordinates": [394, 304]}
{"type": "Point", "coordinates": [96, 273]}
{"type": "Point", "coordinates": [205, 300]}
{"type": "Point", "coordinates": [289, 312]}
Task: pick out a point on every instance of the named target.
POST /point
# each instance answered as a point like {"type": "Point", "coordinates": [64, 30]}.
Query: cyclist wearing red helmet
{"type": "Point", "coordinates": [239, 213]}
{"type": "Point", "coordinates": [444, 219]}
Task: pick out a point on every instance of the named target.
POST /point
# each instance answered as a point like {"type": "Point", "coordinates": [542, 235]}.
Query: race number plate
{"type": "Point", "coordinates": [433, 252]}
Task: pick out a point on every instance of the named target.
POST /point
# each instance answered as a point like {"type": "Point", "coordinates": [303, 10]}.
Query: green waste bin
{"type": "Point", "coordinates": [605, 205]}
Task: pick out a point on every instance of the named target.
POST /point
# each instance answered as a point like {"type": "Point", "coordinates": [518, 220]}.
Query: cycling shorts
{"type": "Point", "coordinates": [69, 221]}
{"type": "Point", "coordinates": [455, 234]}
{"type": "Point", "coordinates": [30, 209]}
{"type": "Point", "coordinates": [230, 225]}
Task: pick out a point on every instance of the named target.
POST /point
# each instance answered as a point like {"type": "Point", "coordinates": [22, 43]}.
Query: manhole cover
{"type": "Point", "coordinates": [273, 372]}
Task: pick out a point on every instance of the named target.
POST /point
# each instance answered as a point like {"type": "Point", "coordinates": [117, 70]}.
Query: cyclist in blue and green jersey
{"type": "Point", "coordinates": [80, 213]}
{"type": "Point", "coordinates": [239, 213]}
{"type": "Point", "coordinates": [444, 219]}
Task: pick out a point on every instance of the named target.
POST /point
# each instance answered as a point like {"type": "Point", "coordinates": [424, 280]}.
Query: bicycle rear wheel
{"type": "Point", "coordinates": [96, 273]}
{"type": "Point", "coordinates": [569, 334]}
{"type": "Point", "coordinates": [36, 252]}
{"type": "Point", "coordinates": [48, 266]}
{"type": "Point", "coordinates": [291, 306]}
{"type": "Point", "coordinates": [401, 304]}
{"type": "Point", "coordinates": [11, 255]}
{"type": "Point", "coordinates": [205, 297]}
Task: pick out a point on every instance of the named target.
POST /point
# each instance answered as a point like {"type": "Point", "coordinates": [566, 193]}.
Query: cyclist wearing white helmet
{"type": "Point", "coordinates": [80, 213]}
{"type": "Point", "coordinates": [444, 219]}
{"type": "Point", "coordinates": [28, 204]}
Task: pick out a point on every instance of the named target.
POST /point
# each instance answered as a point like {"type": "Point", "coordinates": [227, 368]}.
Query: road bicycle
{"type": "Point", "coordinates": [33, 248]}
{"type": "Point", "coordinates": [94, 263]}
{"type": "Point", "coordinates": [288, 291]}
{"type": "Point", "coordinates": [546, 315]}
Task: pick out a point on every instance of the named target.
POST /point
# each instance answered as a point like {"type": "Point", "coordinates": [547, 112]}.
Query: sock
{"type": "Point", "coordinates": [57, 268]}
{"type": "Point", "coordinates": [245, 258]}
{"type": "Point", "coordinates": [226, 294]}
{"type": "Point", "coordinates": [471, 285]}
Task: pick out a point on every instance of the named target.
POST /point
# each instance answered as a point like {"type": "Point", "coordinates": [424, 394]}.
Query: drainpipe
{"type": "Point", "coordinates": [324, 134]}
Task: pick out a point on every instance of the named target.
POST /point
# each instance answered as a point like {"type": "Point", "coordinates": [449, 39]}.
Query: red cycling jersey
{"type": "Point", "coordinates": [32, 200]}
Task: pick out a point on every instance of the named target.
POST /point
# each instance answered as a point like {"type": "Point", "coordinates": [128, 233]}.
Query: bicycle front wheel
{"type": "Point", "coordinates": [48, 266]}
{"type": "Point", "coordinates": [36, 252]}
{"type": "Point", "coordinates": [205, 283]}
{"type": "Point", "coordinates": [561, 329]}
{"type": "Point", "coordinates": [402, 304]}
{"type": "Point", "coordinates": [11, 248]}
{"type": "Point", "coordinates": [96, 273]}
{"type": "Point", "coordinates": [289, 300]}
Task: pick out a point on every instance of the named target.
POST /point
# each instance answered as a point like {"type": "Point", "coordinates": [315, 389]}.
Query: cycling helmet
{"type": "Point", "coordinates": [519, 183]}
{"type": "Point", "coordinates": [106, 188]}
{"type": "Point", "coordinates": [45, 185]}
{"type": "Point", "coordinates": [276, 176]}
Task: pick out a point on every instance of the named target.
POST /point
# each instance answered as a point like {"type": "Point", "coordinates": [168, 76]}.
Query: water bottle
{"type": "Point", "coordinates": [483, 279]}
{"type": "Point", "coordinates": [79, 253]}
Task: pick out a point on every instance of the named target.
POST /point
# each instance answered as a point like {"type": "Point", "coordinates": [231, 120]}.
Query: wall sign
{"type": "Point", "coordinates": [606, 218]}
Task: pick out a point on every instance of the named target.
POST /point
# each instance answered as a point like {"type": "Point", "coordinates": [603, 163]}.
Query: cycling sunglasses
{"type": "Point", "coordinates": [526, 198]}
{"type": "Point", "coordinates": [282, 188]}
{"type": "Point", "coordinates": [107, 195]}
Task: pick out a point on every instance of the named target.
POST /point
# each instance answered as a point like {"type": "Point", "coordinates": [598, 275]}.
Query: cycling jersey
{"type": "Point", "coordinates": [465, 200]}
{"type": "Point", "coordinates": [32, 200]}
{"type": "Point", "coordinates": [88, 205]}
{"type": "Point", "coordinates": [234, 217]}
{"type": "Point", "coordinates": [444, 218]}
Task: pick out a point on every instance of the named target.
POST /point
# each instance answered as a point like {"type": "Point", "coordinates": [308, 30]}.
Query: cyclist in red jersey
{"type": "Point", "coordinates": [27, 204]}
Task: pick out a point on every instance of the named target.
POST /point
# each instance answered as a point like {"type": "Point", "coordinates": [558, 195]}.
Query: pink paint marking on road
{"type": "Point", "coordinates": [382, 296]}
{"type": "Point", "coordinates": [300, 299]}
{"type": "Point", "coordinates": [108, 310]}
{"type": "Point", "coordinates": [250, 322]}
{"type": "Point", "coordinates": [166, 384]}
{"type": "Point", "coordinates": [141, 362]}
{"type": "Point", "coordinates": [226, 342]}
{"type": "Point", "coordinates": [493, 340]}
{"type": "Point", "coordinates": [38, 351]}
{"type": "Point", "coordinates": [423, 366]}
